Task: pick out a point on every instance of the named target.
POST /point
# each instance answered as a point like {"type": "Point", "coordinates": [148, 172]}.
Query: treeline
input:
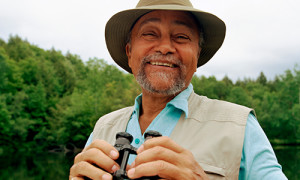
{"type": "Point", "coordinates": [48, 99]}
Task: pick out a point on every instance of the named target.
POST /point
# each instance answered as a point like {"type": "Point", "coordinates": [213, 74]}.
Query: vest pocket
{"type": "Point", "coordinates": [213, 171]}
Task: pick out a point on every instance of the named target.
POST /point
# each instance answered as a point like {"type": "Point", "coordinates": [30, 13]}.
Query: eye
{"type": "Point", "coordinates": [149, 35]}
{"type": "Point", "coordinates": [181, 38]}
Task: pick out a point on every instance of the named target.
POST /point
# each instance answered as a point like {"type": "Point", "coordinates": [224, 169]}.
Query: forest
{"type": "Point", "coordinates": [51, 100]}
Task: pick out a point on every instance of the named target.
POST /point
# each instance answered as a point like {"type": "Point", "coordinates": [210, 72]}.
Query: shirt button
{"type": "Point", "coordinates": [137, 141]}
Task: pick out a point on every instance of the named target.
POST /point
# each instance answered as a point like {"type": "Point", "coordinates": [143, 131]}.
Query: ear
{"type": "Point", "coordinates": [198, 56]}
{"type": "Point", "coordinates": [128, 52]}
{"type": "Point", "coordinates": [199, 52]}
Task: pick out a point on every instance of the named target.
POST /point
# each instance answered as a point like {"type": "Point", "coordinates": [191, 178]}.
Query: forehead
{"type": "Point", "coordinates": [168, 16]}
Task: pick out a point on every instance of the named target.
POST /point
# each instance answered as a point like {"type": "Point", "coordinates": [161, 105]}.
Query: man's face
{"type": "Point", "coordinates": [163, 51]}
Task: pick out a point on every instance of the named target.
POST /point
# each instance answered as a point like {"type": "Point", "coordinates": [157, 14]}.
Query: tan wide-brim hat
{"type": "Point", "coordinates": [119, 26]}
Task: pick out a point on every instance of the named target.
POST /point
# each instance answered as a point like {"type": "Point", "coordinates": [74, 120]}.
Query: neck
{"type": "Point", "coordinates": [152, 105]}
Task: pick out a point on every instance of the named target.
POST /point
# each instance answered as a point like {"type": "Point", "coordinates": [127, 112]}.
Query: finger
{"type": "Point", "coordinates": [163, 141]}
{"type": "Point", "coordinates": [105, 147]}
{"type": "Point", "coordinates": [161, 168]}
{"type": "Point", "coordinates": [128, 166]}
{"type": "Point", "coordinates": [184, 159]}
{"type": "Point", "coordinates": [97, 157]}
{"type": "Point", "coordinates": [76, 178]}
{"type": "Point", "coordinates": [85, 169]}
{"type": "Point", "coordinates": [157, 153]}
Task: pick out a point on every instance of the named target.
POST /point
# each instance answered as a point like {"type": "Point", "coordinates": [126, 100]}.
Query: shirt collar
{"type": "Point", "coordinates": [179, 102]}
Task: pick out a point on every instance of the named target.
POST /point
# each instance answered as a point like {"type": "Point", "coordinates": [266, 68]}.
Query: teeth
{"type": "Point", "coordinates": [162, 64]}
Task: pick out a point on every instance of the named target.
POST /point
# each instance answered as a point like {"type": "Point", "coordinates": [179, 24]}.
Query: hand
{"type": "Point", "coordinates": [96, 161]}
{"type": "Point", "coordinates": [163, 157]}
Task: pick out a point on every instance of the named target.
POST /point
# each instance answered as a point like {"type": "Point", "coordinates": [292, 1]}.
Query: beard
{"type": "Point", "coordinates": [175, 83]}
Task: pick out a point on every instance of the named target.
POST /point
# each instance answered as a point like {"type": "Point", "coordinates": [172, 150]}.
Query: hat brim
{"type": "Point", "coordinates": [119, 26]}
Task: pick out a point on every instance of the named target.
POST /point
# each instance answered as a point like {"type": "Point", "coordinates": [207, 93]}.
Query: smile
{"type": "Point", "coordinates": [163, 64]}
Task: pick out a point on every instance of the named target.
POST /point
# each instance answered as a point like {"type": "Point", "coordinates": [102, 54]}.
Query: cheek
{"type": "Point", "coordinates": [137, 52]}
{"type": "Point", "coordinates": [191, 59]}
{"type": "Point", "coordinates": [134, 62]}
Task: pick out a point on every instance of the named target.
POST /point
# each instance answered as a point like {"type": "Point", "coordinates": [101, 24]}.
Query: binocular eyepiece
{"type": "Point", "coordinates": [123, 145]}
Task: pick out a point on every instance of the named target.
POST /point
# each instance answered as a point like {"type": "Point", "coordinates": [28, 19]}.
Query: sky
{"type": "Point", "coordinates": [262, 35]}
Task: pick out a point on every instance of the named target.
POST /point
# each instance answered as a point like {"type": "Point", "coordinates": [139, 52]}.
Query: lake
{"type": "Point", "coordinates": [49, 166]}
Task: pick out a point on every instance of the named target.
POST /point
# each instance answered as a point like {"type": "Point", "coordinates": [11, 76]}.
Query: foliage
{"type": "Point", "coordinates": [48, 99]}
{"type": "Point", "coordinates": [276, 103]}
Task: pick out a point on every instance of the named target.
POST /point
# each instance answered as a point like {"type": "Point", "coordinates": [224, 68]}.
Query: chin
{"type": "Point", "coordinates": [163, 88]}
{"type": "Point", "coordinates": [161, 82]}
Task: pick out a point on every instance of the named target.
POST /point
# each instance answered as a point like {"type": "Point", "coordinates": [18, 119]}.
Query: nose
{"type": "Point", "coordinates": [165, 46]}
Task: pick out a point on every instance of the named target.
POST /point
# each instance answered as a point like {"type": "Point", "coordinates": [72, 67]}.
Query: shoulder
{"type": "Point", "coordinates": [112, 117]}
{"type": "Point", "coordinates": [108, 125]}
{"type": "Point", "coordinates": [218, 109]}
{"type": "Point", "coordinates": [258, 158]}
{"type": "Point", "coordinates": [198, 100]}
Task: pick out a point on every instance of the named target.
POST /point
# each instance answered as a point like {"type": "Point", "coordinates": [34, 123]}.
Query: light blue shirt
{"type": "Point", "coordinates": [258, 158]}
{"type": "Point", "coordinates": [164, 122]}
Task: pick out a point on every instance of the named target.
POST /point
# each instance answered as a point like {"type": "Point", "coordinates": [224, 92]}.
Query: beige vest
{"type": "Point", "coordinates": [213, 132]}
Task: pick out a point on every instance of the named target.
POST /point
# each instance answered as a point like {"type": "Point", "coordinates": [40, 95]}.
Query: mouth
{"type": "Point", "coordinates": [163, 64]}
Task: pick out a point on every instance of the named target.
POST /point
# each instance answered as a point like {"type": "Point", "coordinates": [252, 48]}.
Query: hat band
{"type": "Point", "coordinates": [164, 2]}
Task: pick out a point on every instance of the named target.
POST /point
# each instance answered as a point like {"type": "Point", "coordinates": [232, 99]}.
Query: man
{"type": "Point", "coordinates": [162, 43]}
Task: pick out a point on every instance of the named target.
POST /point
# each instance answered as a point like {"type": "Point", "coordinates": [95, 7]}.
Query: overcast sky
{"type": "Point", "coordinates": [262, 35]}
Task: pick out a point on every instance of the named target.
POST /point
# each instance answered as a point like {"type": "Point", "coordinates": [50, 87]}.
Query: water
{"type": "Point", "coordinates": [56, 166]}
{"type": "Point", "coordinates": [41, 166]}
{"type": "Point", "coordinates": [289, 158]}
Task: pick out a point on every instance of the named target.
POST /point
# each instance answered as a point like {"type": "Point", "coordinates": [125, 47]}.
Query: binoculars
{"type": "Point", "coordinates": [123, 145]}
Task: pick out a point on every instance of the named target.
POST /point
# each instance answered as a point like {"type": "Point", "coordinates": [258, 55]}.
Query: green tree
{"type": "Point", "coordinates": [238, 95]}
{"type": "Point", "coordinates": [262, 79]}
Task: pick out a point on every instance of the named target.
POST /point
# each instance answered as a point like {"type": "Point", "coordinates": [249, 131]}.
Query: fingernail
{"type": "Point", "coordinates": [106, 177]}
{"type": "Point", "coordinates": [140, 149]}
{"type": "Point", "coordinates": [114, 168]}
{"type": "Point", "coordinates": [113, 154]}
{"type": "Point", "coordinates": [130, 173]}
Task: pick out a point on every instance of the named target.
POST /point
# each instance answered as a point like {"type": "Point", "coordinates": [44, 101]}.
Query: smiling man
{"type": "Point", "coordinates": [164, 51]}
{"type": "Point", "coordinates": [163, 55]}
{"type": "Point", "coordinates": [162, 43]}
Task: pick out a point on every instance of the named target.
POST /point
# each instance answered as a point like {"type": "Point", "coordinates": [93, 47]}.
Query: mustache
{"type": "Point", "coordinates": [165, 58]}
